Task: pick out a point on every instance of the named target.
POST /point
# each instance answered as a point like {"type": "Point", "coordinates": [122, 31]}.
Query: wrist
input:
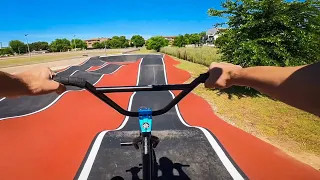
{"type": "Point", "coordinates": [21, 85]}
{"type": "Point", "coordinates": [237, 77]}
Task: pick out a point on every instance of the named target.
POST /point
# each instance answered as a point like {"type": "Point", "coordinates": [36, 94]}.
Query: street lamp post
{"type": "Point", "coordinates": [74, 41]}
{"type": "Point", "coordinates": [26, 35]}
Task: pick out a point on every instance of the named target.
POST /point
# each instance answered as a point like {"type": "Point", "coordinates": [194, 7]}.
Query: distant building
{"type": "Point", "coordinates": [90, 42]}
{"type": "Point", "coordinates": [169, 38]}
{"type": "Point", "coordinates": [213, 34]}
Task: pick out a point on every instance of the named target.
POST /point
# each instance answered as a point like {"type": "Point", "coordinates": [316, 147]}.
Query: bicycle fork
{"type": "Point", "coordinates": [147, 142]}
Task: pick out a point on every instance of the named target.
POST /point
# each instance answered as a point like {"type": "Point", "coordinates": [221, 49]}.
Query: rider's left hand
{"type": "Point", "coordinates": [39, 81]}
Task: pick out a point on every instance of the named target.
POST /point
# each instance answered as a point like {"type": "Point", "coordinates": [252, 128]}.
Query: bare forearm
{"type": "Point", "coordinates": [296, 86]}
{"type": "Point", "coordinates": [11, 85]}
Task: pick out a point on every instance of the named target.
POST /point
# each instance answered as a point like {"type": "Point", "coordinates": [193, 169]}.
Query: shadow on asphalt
{"type": "Point", "coordinates": [166, 166]}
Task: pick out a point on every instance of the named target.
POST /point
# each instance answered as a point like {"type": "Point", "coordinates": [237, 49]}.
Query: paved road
{"type": "Point", "coordinates": [38, 138]}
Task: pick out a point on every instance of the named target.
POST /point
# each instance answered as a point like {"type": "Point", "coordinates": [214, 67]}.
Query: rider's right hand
{"type": "Point", "coordinates": [222, 75]}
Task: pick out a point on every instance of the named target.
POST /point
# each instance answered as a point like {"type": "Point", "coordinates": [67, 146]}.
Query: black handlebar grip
{"type": "Point", "coordinates": [203, 77]}
{"type": "Point", "coordinates": [71, 81]}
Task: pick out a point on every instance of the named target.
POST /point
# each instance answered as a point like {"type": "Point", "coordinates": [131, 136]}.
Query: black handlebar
{"type": "Point", "coordinates": [99, 91]}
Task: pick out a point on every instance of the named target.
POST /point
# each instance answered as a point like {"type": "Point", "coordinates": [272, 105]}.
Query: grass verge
{"type": "Point", "coordinates": [293, 131]}
{"type": "Point", "coordinates": [24, 60]}
{"type": "Point", "coordinates": [143, 50]}
{"type": "Point", "coordinates": [204, 55]}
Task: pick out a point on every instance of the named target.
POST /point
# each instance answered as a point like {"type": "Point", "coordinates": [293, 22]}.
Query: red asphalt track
{"type": "Point", "coordinates": [257, 159]}
{"type": "Point", "coordinates": [51, 144]}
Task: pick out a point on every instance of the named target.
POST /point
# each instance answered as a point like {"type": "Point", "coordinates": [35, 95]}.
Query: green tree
{"type": "Point", "coordinates": [105, 44]}
{"type": "Point", "coordinates": [137, 40]}
{"type": "Point", "coordinates": [96, 45]}
{"type": "Point", "coordinates": [203, 33]}
{"type": "Point", "coordinates": [18, 46]}
{"type": "Point", "coordinates": [180, 41]}
{"type": "Point", "coordinates": [124, 42]}
{"type": "Point", "coordinates": [116, 42]}
{"type": "Point", "coordinates": [203, 37]}
{"type": "Point", "coordinates": [186, 38]}
{"type": "Point", "coordinates": [270, 32]}
{"type": "Point", "coordinates": [194, 38]}
{"type": "Point", "coordinates": [78, 43]}
{"type": "Point", "coordinates": [156, 43]}
{"type": "Point", "coordinates": [6, 51]}
{"type": "Point", "coordinates": [60, 45]}
{"type": "Point", "coordinates": [37, 46]}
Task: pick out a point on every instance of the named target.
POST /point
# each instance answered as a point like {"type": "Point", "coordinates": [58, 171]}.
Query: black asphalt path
{"type": "Point", "coordinates": [183, 152]}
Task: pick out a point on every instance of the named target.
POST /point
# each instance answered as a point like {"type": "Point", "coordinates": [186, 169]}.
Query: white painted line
{"type": "Point", "coordinates": [164, 71]}
{"type": "Point", "coordinates": [222, 156]}
{"type": "Point", "coordinates": [137, 83]}
{"type": "Point", "coordinates": [37, 110]}
{"type": "Point", "coordinates": [2, 98]}
{"type": "Point", "coordinates": [84, 174]}
{"type": "Point", "coordinates": [74, 72]}
{"type": "Point", "coordinates": [116, 69]}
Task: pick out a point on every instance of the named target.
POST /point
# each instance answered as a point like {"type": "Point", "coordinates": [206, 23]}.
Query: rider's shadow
{"type": "Point", "coordinates": [166, 166]}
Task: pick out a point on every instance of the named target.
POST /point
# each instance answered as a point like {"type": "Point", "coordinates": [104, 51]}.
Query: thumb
{"type": "Point", "coordinates": [53, 86]}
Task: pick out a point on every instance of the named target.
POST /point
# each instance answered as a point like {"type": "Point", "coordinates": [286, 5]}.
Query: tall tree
{"type": "Point", "coordinates": [179, 41]}
{"type": "Point", "coordinates": [37, 46]}
{"type": "Point", "coordinates": [105, 44]}
{"type": "Point", "coordinates": [270, 32]}
{"type": "Point", "coordinates": [194, 38]}
{"type": "Point", "coordinates": [156, 43]}
{"type": "Point", "coordinates": [124, 42]}
{"type": "Point", "coordinates": [18, 46]}
{"type": "Point", "coordinates": [96, 45]}
{"type": "Point", "coordinates": [60, 45]}
{"type": "Point", "coordinates": [186, 38]}
{"type": "Point", "coordinates": [6, 51]}
{"type": "Point", "coordinates": [116, 42]}
{"type": "Point", "coordinates": [137, 40]}
{"type": "Point", "coordinates": [78, 43]}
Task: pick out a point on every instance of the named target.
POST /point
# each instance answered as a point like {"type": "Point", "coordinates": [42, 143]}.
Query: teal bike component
{"type": "Point", "coordinates": [145, 119]}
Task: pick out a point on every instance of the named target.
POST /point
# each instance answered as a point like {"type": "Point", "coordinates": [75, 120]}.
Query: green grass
{"type": "Point", "coordinates": [24, 60]}
{"type": "Point", "coordinates": [201, 55]}
{"type": "Point", "coordinates": [143, 50]}
{"type": "Point", "coordinates": [292, 130]}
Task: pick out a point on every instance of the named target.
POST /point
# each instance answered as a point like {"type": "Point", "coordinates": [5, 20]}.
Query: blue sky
{"type": "Point", "coordinates": [47, 20]}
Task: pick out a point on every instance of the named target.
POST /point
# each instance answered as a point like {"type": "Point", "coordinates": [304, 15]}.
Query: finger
{"type": "Point", "coordinates": [53, 86]}
{"type": "Point", "coordinates": [61, 89]}
{"type": "Point", "coordinates": [209, 83]}
{"type": "Point", "coordinates": [54, 75]}
{"type": "Point", "coordinates": [212, 65]}
{"type": "Point", "coordinates": [51, 73]}
{"type": "Point", "coordinates": [226, 63]}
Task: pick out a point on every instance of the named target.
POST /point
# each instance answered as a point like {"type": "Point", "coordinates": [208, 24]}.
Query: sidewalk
{"type": "Point", "coordinates": [54, 65]}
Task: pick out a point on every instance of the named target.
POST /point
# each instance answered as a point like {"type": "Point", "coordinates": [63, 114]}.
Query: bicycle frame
{"type": "Point", "coordinates": [146, 139]}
